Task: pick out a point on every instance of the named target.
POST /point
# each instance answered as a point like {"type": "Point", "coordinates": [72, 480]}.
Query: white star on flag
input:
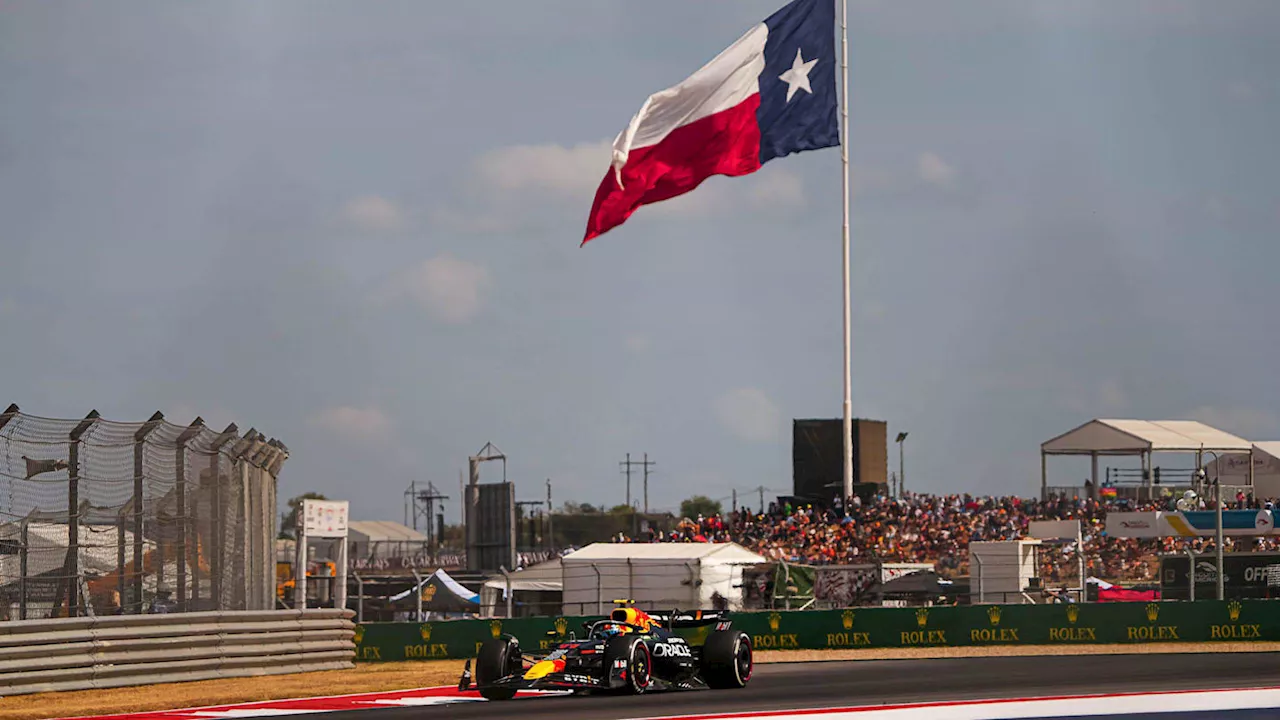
{"type": "Point", "coordinates": [798, 76]}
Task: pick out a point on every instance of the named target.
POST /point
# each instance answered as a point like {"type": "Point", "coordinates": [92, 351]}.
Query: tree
{"type": "Point", "coordinates": [621, 510]}
{"type": "Point", "coordinates": [699, 505]}
{"type": "Point", "coordinates": [289, 520]}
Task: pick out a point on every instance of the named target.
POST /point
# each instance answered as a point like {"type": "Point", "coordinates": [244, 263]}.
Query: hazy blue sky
{"type": "Point", "coordinates": [355, 226]}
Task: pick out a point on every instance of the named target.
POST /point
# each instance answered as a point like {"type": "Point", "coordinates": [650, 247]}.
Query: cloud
{"type": "Point", "coordinates": [362, 423]}
{"type": "Point", "coordinates": [1249, 423]}
{"type": "Point", "coordinates": [1242, 90]}
{"type": "Point", "coordinates": [637, 342]}
{"type": "Point", "coordinates": [749, 414]}
{"type": "Point", "coordinates": [779, 188]}
{"type": "Point", "coordinates": [934, 170]}
{"type": "Point", "coordinates": [568, 172]}
{"type": "Point", "coordinates": [511, 187]}
{"type": "Point", "coordinates": [374, 213]}
{"type": "Point", "coordinates": [451, 289]}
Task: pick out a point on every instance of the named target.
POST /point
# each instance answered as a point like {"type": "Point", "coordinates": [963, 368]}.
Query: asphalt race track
{"type": "Point", "coordinates": [788, 686]}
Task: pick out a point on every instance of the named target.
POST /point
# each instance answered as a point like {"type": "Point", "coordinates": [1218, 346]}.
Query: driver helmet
{"type": "Point", "coordinates": [613, 629]}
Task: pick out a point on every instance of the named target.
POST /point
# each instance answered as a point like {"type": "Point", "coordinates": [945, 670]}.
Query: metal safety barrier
{"type": "Point", "coordinates": [122, 650]}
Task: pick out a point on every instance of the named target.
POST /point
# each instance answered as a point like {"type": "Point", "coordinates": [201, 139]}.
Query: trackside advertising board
{"type": "Point", "coordinates": [1200, 523]}
{"type": "Point", "coordinates": [1063, 624]}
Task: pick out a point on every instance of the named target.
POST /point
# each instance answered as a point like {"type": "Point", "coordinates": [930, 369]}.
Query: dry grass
{"type": "Point", "coordinates": [379, 677]}
{"type": "Point", "coordinates": [374, 677]}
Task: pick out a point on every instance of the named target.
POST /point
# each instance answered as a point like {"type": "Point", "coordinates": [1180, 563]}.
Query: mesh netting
{"type": "Point", "coordinates": [103, 517]}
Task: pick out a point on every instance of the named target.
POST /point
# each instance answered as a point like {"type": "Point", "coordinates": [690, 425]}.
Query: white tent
{"type": "Point", "coordinates": [656, 576]}
{"type": "Point", "coordinates": [1141, 438]}
{"type": "Point", "coordinates": [545, 577]}
{"type": "Point", "coordinates": [47, 548]}
{"type": "Point", "coordinates": [1233, 468]}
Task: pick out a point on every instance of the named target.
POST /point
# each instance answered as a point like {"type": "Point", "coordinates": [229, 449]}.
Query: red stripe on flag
{"type": "Point", "coordinates": [726, 143]}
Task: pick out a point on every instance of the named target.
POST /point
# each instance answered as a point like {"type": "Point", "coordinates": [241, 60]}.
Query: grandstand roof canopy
{"type": "Point", "coordinates": [1135, 437]}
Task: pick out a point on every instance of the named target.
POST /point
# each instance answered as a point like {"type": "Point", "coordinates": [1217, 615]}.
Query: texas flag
{"type": "Point", "coordinates": [770, 94]}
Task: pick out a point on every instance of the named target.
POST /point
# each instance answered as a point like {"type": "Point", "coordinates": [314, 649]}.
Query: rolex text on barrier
{"type": "Point", "coordinates": [944, 626]}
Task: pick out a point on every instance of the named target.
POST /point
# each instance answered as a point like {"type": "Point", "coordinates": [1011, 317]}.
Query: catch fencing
{"type": "Point", "coordinates": [106, 518]}
{"type": "Point", "coordinates": [941, 626]}
{"type": "Point", "coordinates": [104, 652]}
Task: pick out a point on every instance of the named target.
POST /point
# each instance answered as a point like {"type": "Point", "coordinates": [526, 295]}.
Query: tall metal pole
{"type": "Point", "coordinates": [551, 536]}
{"type": "Point", "coordinates": [844, 266]}
{"type": "Point", "coordinates": [902, 464]}
{"type": "Point", "coordinates": [1217, 535]}
{"type": "Point", "coordinates": [646, 483]}
{"type": "Point", "coordinates": [628, 479]}
{"type": "Point", "coordinates": [1222, 571]}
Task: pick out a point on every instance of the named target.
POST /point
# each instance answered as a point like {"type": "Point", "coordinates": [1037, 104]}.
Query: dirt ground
{"type": "Point", "coordinates": [377, 677]}
{"type": "Point", "coordinates": [366, 677]}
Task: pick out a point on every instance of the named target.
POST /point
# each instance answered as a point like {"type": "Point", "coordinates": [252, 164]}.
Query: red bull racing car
{"type": "Point", "coordinates": [631, 652]}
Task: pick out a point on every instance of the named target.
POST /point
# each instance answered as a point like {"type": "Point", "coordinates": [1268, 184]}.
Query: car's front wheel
{"type": "Point", "coordinates": [498, 658]}
{"type": "Point", "coordinates": [637, 662]}
{"type": "Point", "coordinates": [727, 659]}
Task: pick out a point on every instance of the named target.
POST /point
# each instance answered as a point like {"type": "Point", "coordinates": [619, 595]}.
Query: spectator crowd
{"type": "Point", "coordinates": [938, 529]}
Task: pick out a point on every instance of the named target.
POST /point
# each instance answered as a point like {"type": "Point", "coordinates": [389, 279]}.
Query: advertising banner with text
{"type": "Point", "coordinates": [1201, 621]}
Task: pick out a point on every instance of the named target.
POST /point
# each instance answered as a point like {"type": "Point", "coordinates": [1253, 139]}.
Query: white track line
{"type": "Point", "coordinates": [1095, 705]}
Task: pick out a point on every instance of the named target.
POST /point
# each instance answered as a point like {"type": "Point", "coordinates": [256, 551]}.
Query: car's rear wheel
{"type": "Point", "coordinates": [498, 658]}
{"type": "Point", "coordinates": [638, 662]}
{"type": "Point", "coordinates": [727, 659]}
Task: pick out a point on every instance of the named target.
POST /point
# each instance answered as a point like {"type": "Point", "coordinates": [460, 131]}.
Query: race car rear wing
{"type": "Point", "coordinates": [689, 619]}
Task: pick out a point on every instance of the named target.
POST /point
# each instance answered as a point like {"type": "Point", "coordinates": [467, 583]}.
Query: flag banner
{"type": "Point", "coordinates": [770, 94]}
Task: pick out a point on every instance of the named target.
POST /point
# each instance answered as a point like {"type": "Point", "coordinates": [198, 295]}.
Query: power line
{"type": "Point", "coordinates": [646, 464]}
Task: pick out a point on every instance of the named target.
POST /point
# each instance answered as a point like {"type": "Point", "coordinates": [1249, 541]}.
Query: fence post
{"type": "Point", "coordinates": [72, 564]}
{"type": "Point", "coordinates": [139, 441]}
{"type": "Point", "coordinates": [184, 524]}
{"type": "Point", "coordinates": [417, 590]}
{"type": "Point", "coordinates": [25, 537]}
{"type": "Point", "coordinates": [9, 414]}
{"type": "Point", "coordinates": [359, 598]}
{"type": "Point", "coordinates": [599, 591]}
{"type": "Point", "coordinates": [217, 522]}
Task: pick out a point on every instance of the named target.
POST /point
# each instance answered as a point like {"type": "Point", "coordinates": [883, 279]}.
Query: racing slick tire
{"type": "Point", "coordinates": [727, 659]}
{"type": "Point", "coordinates": [498, 658]}
{"type": "Point", "coordinates": [639, 662]}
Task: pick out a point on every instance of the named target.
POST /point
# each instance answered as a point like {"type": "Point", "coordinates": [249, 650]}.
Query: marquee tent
{"type": "Point", "coordinates": [527, 588]}
{"type": "Point", "coordinates": [657, 576]}
{"type": "Point", "coordinates": [443, 594]}
{"type": "Point", "coordinates": [1141, 438]}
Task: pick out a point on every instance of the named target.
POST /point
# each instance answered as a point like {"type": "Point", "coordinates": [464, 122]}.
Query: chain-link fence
{"type": "Point", "coordinates": [99, 517]}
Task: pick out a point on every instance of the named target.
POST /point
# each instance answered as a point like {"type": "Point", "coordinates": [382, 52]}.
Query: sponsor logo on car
{"type": "Point", "coordinates": [672, 650]}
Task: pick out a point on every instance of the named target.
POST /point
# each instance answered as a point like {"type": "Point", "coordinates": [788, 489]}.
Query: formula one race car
{"type": "Point", "coordinates": [631, 652]}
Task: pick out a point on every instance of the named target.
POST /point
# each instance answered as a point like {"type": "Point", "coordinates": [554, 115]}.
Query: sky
{"type": "Point", "coordinates": [355, 227]}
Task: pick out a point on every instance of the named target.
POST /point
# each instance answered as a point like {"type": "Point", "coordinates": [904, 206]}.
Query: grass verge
{"type": "Point", "coordinates": [378, 677]}
{"type": "Point", "coordinates": [375, 677]}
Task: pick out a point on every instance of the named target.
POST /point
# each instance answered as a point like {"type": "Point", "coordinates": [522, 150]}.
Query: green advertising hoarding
{"type": "Point", "coordinates": [947, 626]}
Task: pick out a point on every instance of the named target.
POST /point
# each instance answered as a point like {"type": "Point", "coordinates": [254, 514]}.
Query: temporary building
{"type": "Point", "coordinates": [656, 576]}
{"type": "Point", "coordinates": [535, 590]}
{"type": "Point", "coordinates": [1001, 571]}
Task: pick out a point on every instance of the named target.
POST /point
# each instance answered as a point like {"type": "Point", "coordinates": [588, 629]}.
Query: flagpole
{"type": "Point", "coordinates": [844, 161]}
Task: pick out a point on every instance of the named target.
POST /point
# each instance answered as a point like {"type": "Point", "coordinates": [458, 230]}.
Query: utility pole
{"type": "Point", "coordinates": [761, 489]}
{"type": "Point", "coordinates": [646, 465]}
{"type": "Point", "coordinates": [627, 464]}
{"type": "Point", "coordinates": [735, 500]}
{"type": "Point", "coordinates": [551, 538]}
